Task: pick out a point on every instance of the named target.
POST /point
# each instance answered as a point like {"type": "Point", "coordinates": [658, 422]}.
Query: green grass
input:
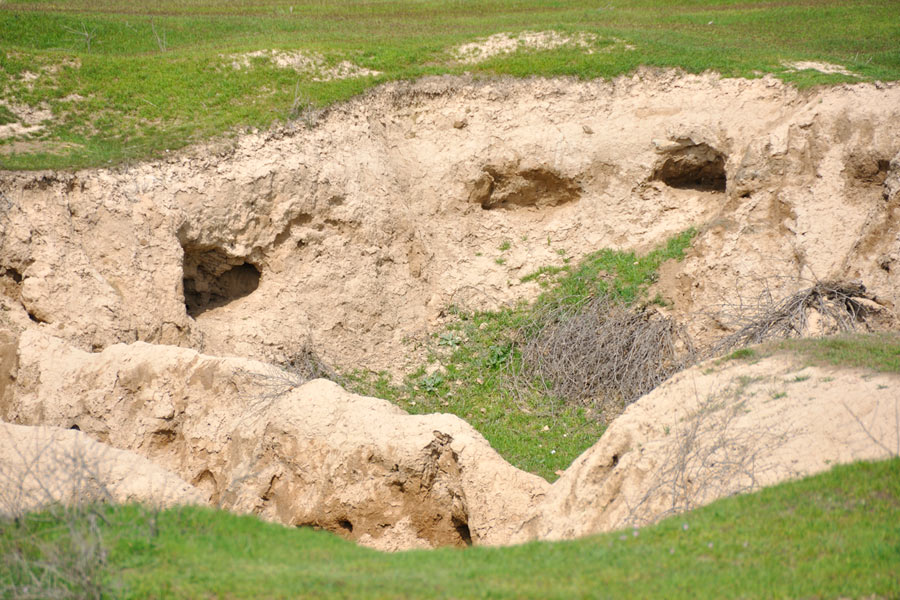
{"type": "Point", "coordinates": [474, 362]}
{"type": "Point", "coordinates": [140, 98]}
{"type": "Point", "coordinates": [876, 352]}
{"type": "Point", "coordinates": [873, 351]}
{"type": "Point", "coordinates": [833, 535]}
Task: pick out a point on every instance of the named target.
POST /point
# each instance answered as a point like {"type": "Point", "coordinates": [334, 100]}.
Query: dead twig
{"type": "Point", "coordinates": [712, 457]}
{"type": "Point", "coordinates": [86, 36]}
{"type": "Point", "coordinates": [827, 307]}
{"type": "Point", "coordinates": [160, 41]}
{"type": "Point", "coordinates": [599, 351]}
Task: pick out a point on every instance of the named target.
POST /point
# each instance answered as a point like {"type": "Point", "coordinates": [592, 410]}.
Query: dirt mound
{"type": "Point", "coordinates": [308, 456]}
{"type": "Point", "coordinates": [507, 43]}
{"type": "Point", "coordinates": [305, 63]}
{"type": "Point", "coordinates": [718, 429]}
{"type": "Point", "coordinates": [41, 466]}
{"type": "Point", "coordinates": [315, 455]}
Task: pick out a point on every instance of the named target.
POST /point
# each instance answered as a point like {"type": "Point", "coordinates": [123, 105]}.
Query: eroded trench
{"type": "Point", "coordinates": [356, 236]}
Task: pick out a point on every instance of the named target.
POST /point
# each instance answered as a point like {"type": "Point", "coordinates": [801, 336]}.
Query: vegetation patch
{"type": "Point", "coordinates": [482, 366]}
{"type": "Point", "coordinates": [831, 535]}
{"type": "Point", "coordinates": [876, 351]}
{"type": "Point", "coordinates": [155, 77]}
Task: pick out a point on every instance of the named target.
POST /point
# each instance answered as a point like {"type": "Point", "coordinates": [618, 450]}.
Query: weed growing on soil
{"type": "Point", "coordinates": [481, 371]}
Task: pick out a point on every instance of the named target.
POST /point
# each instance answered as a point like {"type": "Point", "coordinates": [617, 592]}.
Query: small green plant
{"type": "Point", "coordinates": [449, 338]}
{"type": "Point", "coordinates": [500, 260]}
{"type": "Point", "coordinates": [545, 276]}
{"type": "Point", "coordinates": [496, 356]}
{"type": "Point", "coordinates": [431, 384]}
{"type": "Point", "coordinates": [742, 354]}
{"type": "Point", "coordinates": [505, 245]}
{"type": "Point", "coordinates": [7, 116]}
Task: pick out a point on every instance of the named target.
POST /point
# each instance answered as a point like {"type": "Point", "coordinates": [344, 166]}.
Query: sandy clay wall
{"type": "Point", "coordinates": [140, 303]}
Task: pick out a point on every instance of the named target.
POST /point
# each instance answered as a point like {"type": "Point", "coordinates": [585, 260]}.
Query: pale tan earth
{"type": "Point", "coordinates": [43, 466]}
{"type": "Point", "coordinates": [718, 429]}
{"type": "Point", "coordinates": [125, 292]}
{"type": "Point", "coordinates": [365, 228]}
{"type": "Point", "coordinates": [308, 63]}
{"type": "Point", "coordinates": [251, 442]}
{"type": "Point", "coordinates": [30, 119]}
{"type": "Point", "coordinates": [508, 43]}
{"type": "Point", "coordinates": [822, 67]}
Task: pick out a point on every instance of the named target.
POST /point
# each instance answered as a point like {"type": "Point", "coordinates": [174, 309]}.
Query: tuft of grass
{"type": "Point", "coordinates": [7, 116]}
{"type": "Point", "coordinates": [742, 354]}
{"type": "Point", "coordinates": [621, 276]}
{"type": "Point", "coordinates": [828, 536]}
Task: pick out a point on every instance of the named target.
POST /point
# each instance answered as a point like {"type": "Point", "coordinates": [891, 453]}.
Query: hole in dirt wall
{"type": "Point", "coordinates": [692, 167]}
{"type": "Point", "coordinates": [10, 281]}
{"type": "Point", "coordinates": [214, 278]}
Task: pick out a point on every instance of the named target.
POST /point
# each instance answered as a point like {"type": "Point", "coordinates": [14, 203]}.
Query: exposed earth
{"type": "Point", "coordinates": [141, 303]}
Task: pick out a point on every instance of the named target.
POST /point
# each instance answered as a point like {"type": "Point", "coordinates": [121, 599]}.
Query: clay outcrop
{"type": "Point", "coordinates": [41, 467]}
{"type": "Point", "coordinates": [302, 236]}
{"type": "Point", "coordinates": [250, 441]}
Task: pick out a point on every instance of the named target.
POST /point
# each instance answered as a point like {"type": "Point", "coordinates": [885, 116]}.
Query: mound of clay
{"type": "Point", "coordinates": [41, 466]}
{"type": "Point", "coordinates": [308, 456]}
{"type": "Point", "coordinates": [352, 236]}
{"type": "Point", "coordinates": [316, 455]}
{"type": "Point", "coordinates": [716, 430]}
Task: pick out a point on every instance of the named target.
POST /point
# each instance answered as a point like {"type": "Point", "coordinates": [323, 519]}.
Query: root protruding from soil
{"type": "Point", "coordinates": [213, 278]}
{"type": "Point", "coordinates": [693, 167]}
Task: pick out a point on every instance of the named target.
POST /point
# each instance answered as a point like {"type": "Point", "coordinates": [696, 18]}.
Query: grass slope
{"type": "Point", "coordinates": [128, 80]}
{"type": "Point", "coordinates": [871, 351]}
{"type": "Point", "coordinates": [833, 535]}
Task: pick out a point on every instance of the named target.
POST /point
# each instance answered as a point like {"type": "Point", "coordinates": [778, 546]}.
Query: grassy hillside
{"type": "Point", "coordinates": [121, 80]}
{"type": "Point", "coordinates": [833, 535]}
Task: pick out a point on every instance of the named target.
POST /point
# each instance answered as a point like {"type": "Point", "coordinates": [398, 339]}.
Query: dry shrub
{"type": "Point", "coordinates": [600, 351]}
{"type": "Point", "coordinates": [273, 381]}
{"type": "Point", "coordinates": [827, 307]}
{"type": "Point", "coordinates": [711, 457]}
{"type": "Point", "coordinates": [51, 544]}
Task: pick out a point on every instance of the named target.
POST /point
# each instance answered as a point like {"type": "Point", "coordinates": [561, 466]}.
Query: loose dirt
{"type": "Point", "coordinates": [508, 43]}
